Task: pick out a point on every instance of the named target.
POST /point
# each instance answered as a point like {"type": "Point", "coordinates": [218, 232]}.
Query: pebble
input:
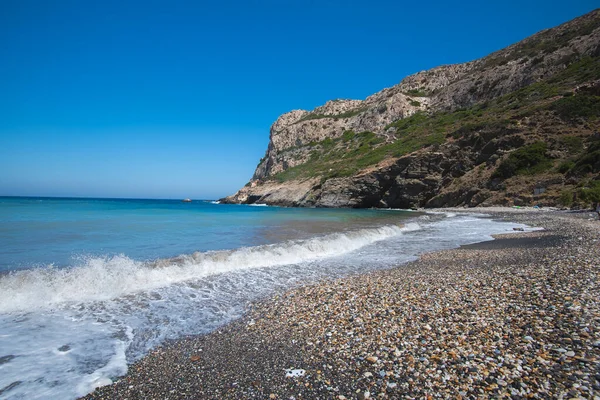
{"type": "Point", "coordinates": [364, 395]}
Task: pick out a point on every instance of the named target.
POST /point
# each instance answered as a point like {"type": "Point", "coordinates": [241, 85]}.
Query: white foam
{"type": "Point", "coordinates": [116, 366]}
{"type": "Point", "coordinates": [111, 277]}
{"type": "Point", "coordinates": [447, 214]}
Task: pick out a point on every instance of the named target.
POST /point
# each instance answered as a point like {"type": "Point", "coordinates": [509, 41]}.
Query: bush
{"type": "Point", "coordinates": [590, 194]}
{"type": "Point", "coordinates": [573, 144]}
{"type": "Point", "coordinates": [369, 138]}
{"type": "Point", "coordinates": [565, 167]}
{"type": "Point", "coordinates": [578, 106]}
{"type": "Point", "coordinates": [526, 160]}
{"type": "Point", "coordinates": [566, 198]}
{"type": "Point", "coordinates": [589, 161]}
{"type": "Point", "coordinates": [348, 135]}
{"type": "Point", "coordinates": [417, 93]}
{"type": "Point", "coordinates": [327, 143]}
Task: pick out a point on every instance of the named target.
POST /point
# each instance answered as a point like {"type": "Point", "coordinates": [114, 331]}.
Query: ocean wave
{"type": "Point", "coordinates": [104, 278]}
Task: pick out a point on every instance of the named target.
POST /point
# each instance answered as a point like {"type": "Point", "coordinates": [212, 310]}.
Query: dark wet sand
{"type": "Point", "coordinates": [521, 242]}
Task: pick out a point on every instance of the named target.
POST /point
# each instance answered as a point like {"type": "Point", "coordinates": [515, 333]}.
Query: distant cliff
{"type": "Point", "coordinates": [519, 126]}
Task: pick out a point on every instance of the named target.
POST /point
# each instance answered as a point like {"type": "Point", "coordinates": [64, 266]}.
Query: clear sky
{"type": "Point", "coordinates": [173, 99]}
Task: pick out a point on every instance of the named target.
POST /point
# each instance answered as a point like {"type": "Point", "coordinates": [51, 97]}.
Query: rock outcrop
{"type": "Point", "coordinates": [438, 172]}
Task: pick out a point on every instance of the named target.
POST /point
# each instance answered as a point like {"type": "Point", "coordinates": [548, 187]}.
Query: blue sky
{"type": "Point", "coordinates": [172, 99]}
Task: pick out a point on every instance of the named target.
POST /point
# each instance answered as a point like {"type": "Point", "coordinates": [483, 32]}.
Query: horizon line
{"type": "Point", "coordinates": [101, 198]}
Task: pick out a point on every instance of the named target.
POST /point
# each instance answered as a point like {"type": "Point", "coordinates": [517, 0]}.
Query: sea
{"type": "Point", "coordinates": [89, 286]}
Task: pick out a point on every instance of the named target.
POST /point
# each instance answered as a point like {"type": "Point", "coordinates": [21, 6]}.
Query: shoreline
{"type": "Point", "coordinates": [518, 316]}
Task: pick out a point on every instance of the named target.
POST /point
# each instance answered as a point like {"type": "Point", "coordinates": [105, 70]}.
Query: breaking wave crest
{"type": "Point", "coordinates": [103, 278]}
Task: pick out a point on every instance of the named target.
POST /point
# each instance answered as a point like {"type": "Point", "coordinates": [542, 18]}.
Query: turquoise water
{"type": "Point", "coordinates": [42, 231]}
{"type": "Point", "coordinates": [88, 286]}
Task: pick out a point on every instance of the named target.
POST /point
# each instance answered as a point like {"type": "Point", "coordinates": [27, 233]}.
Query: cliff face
{"type": "Point", "coordinates": [439, 137]}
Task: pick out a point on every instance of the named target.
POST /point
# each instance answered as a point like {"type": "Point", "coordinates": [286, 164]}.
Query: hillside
{"type": "Point", "coordinates": [520, 126]}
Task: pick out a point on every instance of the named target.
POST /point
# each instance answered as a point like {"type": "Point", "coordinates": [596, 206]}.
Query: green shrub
{"type": "Point", "coordinates": [573, 144]}
{"type": "Point", "coordinates": [417, 93]}
{"type": "Point", "coordinates": [369, 138]}
{"type": "Point", "coordinates": [406, 123]}
{"type": "Point", "coordinates": [583, 70]}
{"type": "Point", "coordinates": [529, 159]}
{"type": "Point", "coordinates": [578, 106]}
{"type": "Point", "coordinates": [589, 161]}
{"type": "Point", "coordinates": [566, 198]}
{"type": "Point", "coordinates": [327, 143]}
{"type": "Point", "coordinates": [348, 136]}
{"type": "Point", "coordinates": [590, 194]}
{"type": "Point", "coordinates": [565, 167]}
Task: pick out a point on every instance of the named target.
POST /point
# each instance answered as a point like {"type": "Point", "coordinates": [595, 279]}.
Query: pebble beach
{"type": "Point", "coordinates": [517, 317]}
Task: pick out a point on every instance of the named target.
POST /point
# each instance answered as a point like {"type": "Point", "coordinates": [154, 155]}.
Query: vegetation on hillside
{"type": "Point", "coordinates": [551, 98]}
{"type": "Point", "coordinates": [534, 48]}
{"type": "Point", "coordinates": [346, 114]}
{"type": "Point", "coordinates": [586, 193]}
{"type": "Point", "coordinates": [417, 93]}
{"type": "Point", "coordinates": [530, 159]}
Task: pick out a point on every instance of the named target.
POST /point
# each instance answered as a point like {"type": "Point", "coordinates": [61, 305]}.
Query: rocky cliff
{"type": "Point", "coordinates": [516, 127]}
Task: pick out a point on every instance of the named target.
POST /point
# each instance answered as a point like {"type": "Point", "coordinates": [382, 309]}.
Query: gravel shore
{"type": "Point", "coordinates": [517, 317]}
